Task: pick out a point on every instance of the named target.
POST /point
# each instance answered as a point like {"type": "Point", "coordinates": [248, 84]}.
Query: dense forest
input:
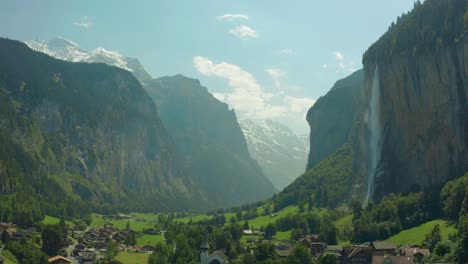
{"type": "Point", "coordinates": [427, 27]}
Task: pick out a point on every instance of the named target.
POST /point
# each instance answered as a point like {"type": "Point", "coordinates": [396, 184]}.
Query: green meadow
{"type": "Point", "coordinates": [417, 234]}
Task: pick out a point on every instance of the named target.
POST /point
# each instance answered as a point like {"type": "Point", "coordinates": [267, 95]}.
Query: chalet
{"type": "Point", "coordinates": [120, 236]}
{"type": "Point", "coordinates": [119, 216]}
{"type": "Point", "coordinates": [313, 238]}
{"type": "Point", "coordinates": [4, 226]}
{"type": "Point", "coordinates": [305, 242]}
{"type": "Point", "coordinates": [284, 249]}
{"type": "Point", "coordinates": [392, 260]}
{"type": "Point", "coordinates": [333, 250]}
{"type": "Point", "coordinates": [80, 247]}
{"type": "Point", "coordinates": [20, 235]}
{"type": "Point", "coordinates": [86, 257]}
{"type": "Point", "coordinates": [356, 255]}
{"type": "Point", "coordinates": [216, 257]}
{"type": "Point", "coordinates": [122, 247]}
{"type": "Point", "coordinates": [258, 233]}
{"type": "Point", "coordinates": [384, 248]}
{"type": "Point", "coordinates": [66, 242]}
{"type": "Point", "coordinates": [100, 245]}
{"type": "Point", "coordinates": [137, 249]}
{"type": "Point", "coordinates": [317, 248]}
{"type": "Point", "coordinates": [148, 248]}
{"type": "Point", "coordinates": [91, 235]}
{"type": "Point", "coordinates": [59, 260]}
{"type": "Point", "coordinates": [248, 232]}
{"type": "Point", "coordinates": [105, 233]}
{"type": "Point", "coordinates": [415, 251]}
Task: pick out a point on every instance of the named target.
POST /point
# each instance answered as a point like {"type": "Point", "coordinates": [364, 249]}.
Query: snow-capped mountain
{"type": "Point", "coordinates": [281, 153]}
{"type": "Point", "coordinates": [64, 49]}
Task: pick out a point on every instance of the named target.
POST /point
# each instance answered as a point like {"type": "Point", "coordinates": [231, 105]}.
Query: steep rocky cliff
{"type": "Point", "coordinates": [84, 137]}
{"type": "Point", "coordinates": [331, 117]}
{"type": "Point", "coordinates": [208, 135]}
{"type": "Point", "coordinates": [422, 64]}
{"type": "Point", "coordinates": [405, 117]}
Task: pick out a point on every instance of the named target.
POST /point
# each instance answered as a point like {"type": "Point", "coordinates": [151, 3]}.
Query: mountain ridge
{"type": "Point", "coordinates": [86, 148]}
{"type": "Point", "coordinates": [281, 153]}
{"type": "Point", "coordinates": [209, 137]}
{"type": "Point", "coordinates": [65, 49]}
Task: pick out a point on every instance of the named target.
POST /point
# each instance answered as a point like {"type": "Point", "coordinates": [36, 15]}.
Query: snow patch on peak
{"type": "Point", "coordinates": [280, 152]}
{"type": "Point", "coordinates": [65, 40]}
{"type": "Point", "coordinates": [65, 49]}
{"type": "Point", "coordinates": [110, 57]}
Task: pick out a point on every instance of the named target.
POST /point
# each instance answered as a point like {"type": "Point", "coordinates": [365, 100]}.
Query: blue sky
{"type": "Point", "coordinates": [266, 59]}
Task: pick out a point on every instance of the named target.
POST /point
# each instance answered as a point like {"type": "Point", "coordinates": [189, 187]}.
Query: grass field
{"type": "Point", "coordinates": [283, 235]}
{"type": "Point", "coordinates": [417, 234]}
{"type": "Point", "coordinates": [149, 239]}
{"type": "Point", "coordinates": [50, 220]}
{"type": "Point", "coordinates": [344, 222]}
{"type": "Point", "coordinates": [257, 222]}
{"type": "Point", "coordinates": [147, 216]}
{"type": "Point", "coordinates": [195, 218]}
{"type": "Point", "coordinates": [98, 221]}
{"type": "Point", "coordinates": [8, 258]}
{"type": "Point", "coordinates": [132, 258]}
{"type": "Point", "coordinates": [345, 228]}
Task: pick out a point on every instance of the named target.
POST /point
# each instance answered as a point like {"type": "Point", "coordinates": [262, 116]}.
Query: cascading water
{"type": "Point", "coordinates": [375, 133]}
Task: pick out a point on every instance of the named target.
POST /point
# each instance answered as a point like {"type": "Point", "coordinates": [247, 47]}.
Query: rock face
{"type": "Point", "coordinates": [209, 137]}
{"type": "Point", "coordinates": [64, 49]}
{"type": "Point", "coordinates": [423, 101]}
{"type": "Point", "coordinates": [90, 131]}
{"type": "Point", "coordinates": [281, 153]}
{"type": "Point", "coordinates": [331, 117]}
{"type": "Point", "coordinates": [423, 117]}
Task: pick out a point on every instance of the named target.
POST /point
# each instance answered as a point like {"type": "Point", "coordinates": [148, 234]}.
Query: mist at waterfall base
{"type": "Point", "coordinates": [375, 134]}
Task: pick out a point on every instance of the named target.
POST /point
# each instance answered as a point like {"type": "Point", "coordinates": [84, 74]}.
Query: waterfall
{"type": "Point", "coordinates": [375, 133]}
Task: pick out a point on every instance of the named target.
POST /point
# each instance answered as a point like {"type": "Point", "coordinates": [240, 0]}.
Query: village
{"type": "Point", "coordinates": [86, 245]}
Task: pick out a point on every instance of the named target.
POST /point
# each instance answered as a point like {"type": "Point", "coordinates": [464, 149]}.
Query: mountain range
{"type": "Point", "coordinates": [211, 141]}
{"type": "Point", "coordinates": [196, 142]}
{"type": "Point", "coordinates": [65, 49]}
{"type": "Point", "coordinates": [83, 137]}
{"type": "Point", "coordinates": [281, 153]}
{"type": "Point", "coordinates": [399, 125]}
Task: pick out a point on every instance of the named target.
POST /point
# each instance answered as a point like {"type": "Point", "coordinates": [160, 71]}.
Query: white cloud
{"type": "Point", "coordinates": [250, 100]}
{"type": "Point", "coordinates": [243, 32]}
{"type": "Point", "coordinates": [276, 75]}
{"type": "Point", "coordinates": [338, 55]}
{"type": "Point", "coordinates": [287, 52]}
{"type": "Point", "coordinates": [232, 17]}
{"type": "Point", "coordinates": [298, 105]}
{"type": "Point", "coordinates": [343, 65]}
{"type": "Point", "coordinates": [247, 96]}
{"type": "Point", "coordinates": [84, 22]}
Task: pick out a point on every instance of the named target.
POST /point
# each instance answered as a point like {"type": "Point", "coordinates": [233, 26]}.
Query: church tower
{"type": "Point", "coordinates": [204, 251]}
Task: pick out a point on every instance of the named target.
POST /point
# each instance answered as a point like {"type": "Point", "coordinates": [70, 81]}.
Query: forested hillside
{"type": "Point", "coordinates": [79, 137]}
